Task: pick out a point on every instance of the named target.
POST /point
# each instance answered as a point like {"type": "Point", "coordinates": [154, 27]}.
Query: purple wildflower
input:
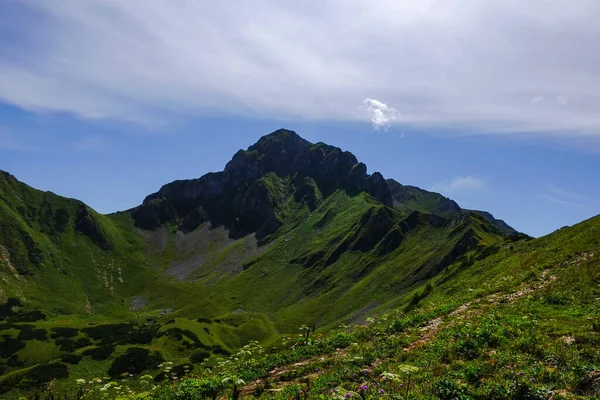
{"type": "Point", "coordinates": [532, 379]}
{"type": "Point", "coordinates": [348, 395]}
{"type": "Point", "coordinates": [521, 373]}
{"type": "Point", "coordinates": [381, 391]}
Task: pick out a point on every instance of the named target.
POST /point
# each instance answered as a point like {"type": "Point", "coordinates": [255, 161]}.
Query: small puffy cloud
{"type": "Point", "coordinates": [562, 100]}
{"type": "Point", "coordinates": [459, 184]}
{"type": "Point", "coordinates": [380, 114]}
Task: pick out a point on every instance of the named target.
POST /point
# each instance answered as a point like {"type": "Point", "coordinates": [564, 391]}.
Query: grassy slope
{"type": "Point", "coordinates": [521, 323]}
{"type": "Point", "coordinates": [59, 268]}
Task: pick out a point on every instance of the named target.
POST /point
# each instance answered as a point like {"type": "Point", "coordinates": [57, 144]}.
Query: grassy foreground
{"type": "Point", "coordinates": [520, 323]}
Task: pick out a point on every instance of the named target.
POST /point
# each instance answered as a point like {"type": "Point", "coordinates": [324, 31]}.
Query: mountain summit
{"type": "Point", "coordinates": [257, 182]}
{"type": "Point", "coordinates": [245, 197]}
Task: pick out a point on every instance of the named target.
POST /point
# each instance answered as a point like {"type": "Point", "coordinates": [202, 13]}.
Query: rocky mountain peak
{"type": "Point", "coordinates": [247, 195]}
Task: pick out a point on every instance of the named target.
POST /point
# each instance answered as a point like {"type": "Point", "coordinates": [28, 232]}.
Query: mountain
{"type": "Point", "coordinates": [290, 233]}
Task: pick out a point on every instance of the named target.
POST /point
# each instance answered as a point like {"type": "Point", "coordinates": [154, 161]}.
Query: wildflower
{"type": "Point", "coordinates": [99, 380]}
{"type": "Point", "coordinates": [381, 391]}
{"type": "Point", "coordinates": [532, 379]}
{"type": "Point", "coordinates": [80, 381]}
{"type": "Point", "coordinates": [348, 395]}
{"type": "Point", "coordinates": [389, 376]}
{"type": "Point", "coordinates": [521, 373]}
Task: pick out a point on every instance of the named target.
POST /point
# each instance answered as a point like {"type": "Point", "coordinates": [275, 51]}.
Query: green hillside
{"type": "Point", "coordinates": [290, 234]}
{"type": "Point", "coordinates": [513, 321]}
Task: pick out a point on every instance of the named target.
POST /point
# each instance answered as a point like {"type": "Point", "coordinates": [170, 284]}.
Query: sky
{"type": "Point", "coordinates": [494, 104]}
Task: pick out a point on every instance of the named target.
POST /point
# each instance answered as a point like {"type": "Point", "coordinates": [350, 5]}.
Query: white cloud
{"type": "Point", "coordinates": [379, 113]}
{"type": "Point", "coordinates": [452, 63]}
{"type": "Point", "coordinates": [561, 196]}
{"type": "Point", "coordinates": [459, 184]}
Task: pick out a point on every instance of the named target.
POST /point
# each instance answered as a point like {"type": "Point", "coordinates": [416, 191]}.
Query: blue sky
{"type": "Point", "coordinates": [493, 104]}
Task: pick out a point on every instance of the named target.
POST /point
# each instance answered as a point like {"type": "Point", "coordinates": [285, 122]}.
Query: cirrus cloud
{"type": "Point", "coordinates": [459, 184]}
{"type": "Point", "coordinates": [449, 63]}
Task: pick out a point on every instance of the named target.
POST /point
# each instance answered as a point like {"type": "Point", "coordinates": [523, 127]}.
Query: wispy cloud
{"type": "Point", "coordinates": [564, 197]}
{"type": "Point", "coordinates": [380, 114]}
{"type": "Point", "coordinates": [449, 63]}
{"type": "Point", "coordinates": [459, 184]}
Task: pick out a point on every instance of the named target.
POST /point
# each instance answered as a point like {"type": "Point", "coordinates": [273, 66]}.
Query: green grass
{"type": "Point", "coordinates": [538, 345]}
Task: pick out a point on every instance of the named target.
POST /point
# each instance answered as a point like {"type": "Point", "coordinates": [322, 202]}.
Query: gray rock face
{"type": "Point", "coordinates": [138, 303]}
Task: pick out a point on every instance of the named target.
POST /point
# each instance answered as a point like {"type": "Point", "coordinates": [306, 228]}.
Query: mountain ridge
{"type": "Point", "coordinates": [282, 152]}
